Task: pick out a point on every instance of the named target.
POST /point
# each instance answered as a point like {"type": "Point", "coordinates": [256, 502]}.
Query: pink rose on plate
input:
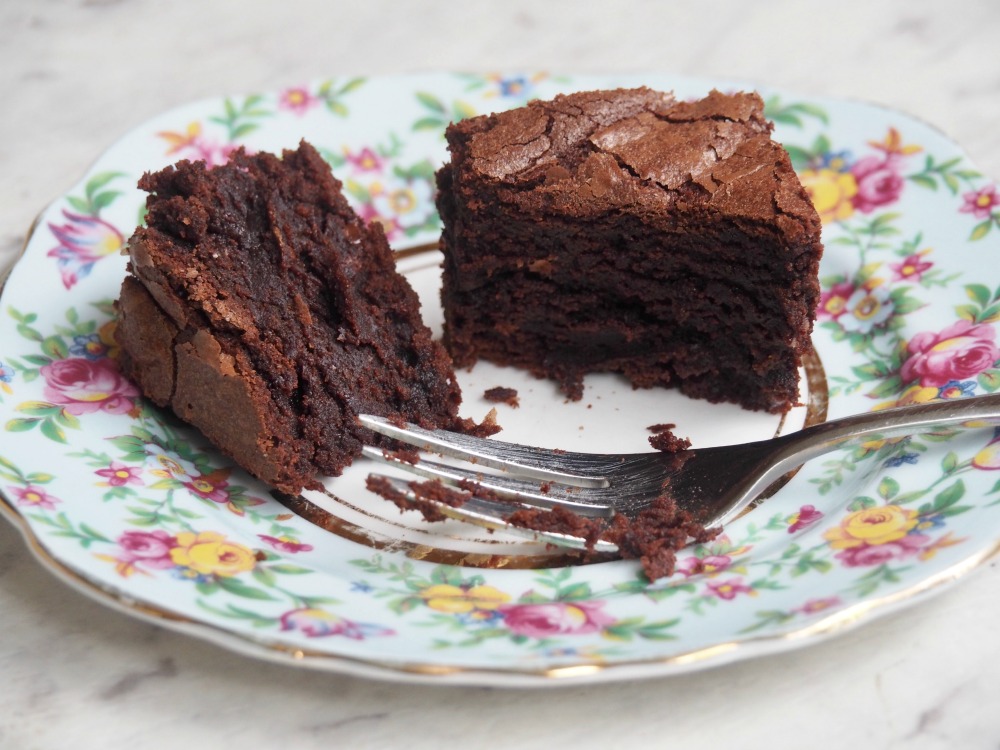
{"type": "Point", "coordinates": [297, 100]}
{"type": "Point", "coordinates": [980, 203]}
{"type": "Point", "coordinates": [729, 590]}
{"type": "Point", "coordinates": [34, 496]}
{"type": "Point", "coordinates": [959, 352]}
{"type": "Point", "coordinates": [150, 549]}
{"type": "Point", "coordinates": [83, 386]}
{"type": "Point", "coordinates": [83, 240]}
{"type": "Point", "coordinates": [707, 565]}
{"type": "Point", "coordinates": [912, 267]}
{"type": "Point", "coordinates": [806, 516]}
{"type": "Point", "coordinates": [285, 544]}
{"type": "Point", "coordinates": [812, 606]}
{"type": "Point", "coordinates": [866, 555]}
{"type": "Point", "coordinates": [318, 623]}
{"type": "Point", "coordinates": [365, 160]}
{"type": "Point", "coordinates": [118, 474]}
{"type": "Point", "coordinates": [879, 183]}
{"type": "Point", "coordinates": [556, 618]}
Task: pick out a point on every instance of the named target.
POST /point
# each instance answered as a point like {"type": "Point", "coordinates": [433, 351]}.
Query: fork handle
{"type": "Point", "coordinates": [794, 449]}
{"type": "Point", "coordinates": [887, 423]}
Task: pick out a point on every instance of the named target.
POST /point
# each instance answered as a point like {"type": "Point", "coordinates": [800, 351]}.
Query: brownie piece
{"type": "Point", "coordinates": [630, 232]}
{"type": "Point", "coordinates": [263, 311]}
{"type": "Point", "coordinates": [656, 535]}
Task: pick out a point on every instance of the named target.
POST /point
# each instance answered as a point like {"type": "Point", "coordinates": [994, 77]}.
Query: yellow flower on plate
{"type": "Point", "coordinates": [445, 597]}
{"type": "Point", "coordinates": [831, 192]}
{"type": "Point", "coordinates": [989, 457]}
{"type": "Point", "coordinates": [106, 334]}
{"type": "Point", "coordinates": [948, 540]}
{"type": "Point", "coordinates": [209, 553]}
{"type": "Point", "coordinates": [915, 394]}
{"type": "Point", "coordinates": [872, 526]}
{"type": "Point", "coordinates": [178, 141]}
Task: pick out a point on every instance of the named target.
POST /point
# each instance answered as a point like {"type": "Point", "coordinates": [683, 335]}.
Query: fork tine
{"type": "Point", "coordinates": [528, 493]}
{"type": "Point", "coordinates": [545, 465]}
{"type": "Point", "coordinates": [490, 514]}
{"type": "Point", "coordinates": [542, 464]}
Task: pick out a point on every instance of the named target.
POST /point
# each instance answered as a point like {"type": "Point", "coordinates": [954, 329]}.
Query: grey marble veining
{"type": "Point", "coordinates": [74, 673]}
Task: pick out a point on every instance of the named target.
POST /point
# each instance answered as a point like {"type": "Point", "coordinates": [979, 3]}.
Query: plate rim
{"type": "Point", "coordinates": [709, 656]}
{"type": "Point", "coordinates": [712, 656]}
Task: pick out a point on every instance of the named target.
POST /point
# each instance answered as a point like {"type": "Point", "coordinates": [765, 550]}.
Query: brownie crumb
{"type": "Point", "coordinates": [405, 455]}
{"type": "Point", "coordinates": [559, 520]}
{"type": "Point", "coordinates": [501, 395]}
{"type": "Point", "coordinates": [423, 493]}
{"type": "Point", "coordinates": [653, 537]}
{"type": "Point", "coordinates": [663, 439]}
{"type": "Point", "coordinates": [487, 428]}
{"type": "Point", "coordinates": [656, 534]}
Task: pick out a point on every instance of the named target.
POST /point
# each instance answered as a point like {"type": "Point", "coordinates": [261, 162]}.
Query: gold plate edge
{"type": "Point", "coordinates": [426, 672]}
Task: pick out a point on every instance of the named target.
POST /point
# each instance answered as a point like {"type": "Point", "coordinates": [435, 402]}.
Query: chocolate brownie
{"type": "Point", "coordinates": [263, 311]}
{"type": "Point", "coordinates": [630, 232]}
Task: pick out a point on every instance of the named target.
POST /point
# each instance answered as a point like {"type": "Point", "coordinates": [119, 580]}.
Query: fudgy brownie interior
{"type": "Point", "coordinates": [263, 311]}
{"type": "Point", "coordinates": [627, 231]}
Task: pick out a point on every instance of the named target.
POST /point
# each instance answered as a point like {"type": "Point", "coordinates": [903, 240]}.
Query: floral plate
{"type": "Point", "coordinates": [133, 508]}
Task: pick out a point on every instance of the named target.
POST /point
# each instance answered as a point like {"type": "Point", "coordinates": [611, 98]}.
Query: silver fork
{"type": "Point", "coordinates": [713, 484]}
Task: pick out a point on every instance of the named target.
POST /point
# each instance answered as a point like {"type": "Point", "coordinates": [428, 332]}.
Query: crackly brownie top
{"type": "Point", "coordinates": [594, 151]}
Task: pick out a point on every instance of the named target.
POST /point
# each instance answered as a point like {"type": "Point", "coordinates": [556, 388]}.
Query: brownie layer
{"type": "Point", "coordinates": [263, 311]}
{"type": "Point", "coordinates": [626, 231]}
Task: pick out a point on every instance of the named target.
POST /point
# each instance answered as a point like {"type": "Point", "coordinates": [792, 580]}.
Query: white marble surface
{"type": "Point", "coordinates": [75, 75]}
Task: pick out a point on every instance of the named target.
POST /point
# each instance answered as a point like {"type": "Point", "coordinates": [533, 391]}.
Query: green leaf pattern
{"type": "Point", "coordinates": [175, 517]}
